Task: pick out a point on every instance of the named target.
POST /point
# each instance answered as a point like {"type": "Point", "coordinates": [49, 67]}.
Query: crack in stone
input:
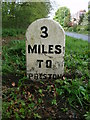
{"type": "Point", "coordinates": [48, 56]}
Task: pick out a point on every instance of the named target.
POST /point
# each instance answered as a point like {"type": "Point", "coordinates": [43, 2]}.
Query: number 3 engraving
{"type": "Point", "coordinates": [44, 30]}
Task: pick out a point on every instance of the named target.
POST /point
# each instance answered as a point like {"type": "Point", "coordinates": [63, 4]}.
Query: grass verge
{"type": "Point", "coordinates": [65, 98]}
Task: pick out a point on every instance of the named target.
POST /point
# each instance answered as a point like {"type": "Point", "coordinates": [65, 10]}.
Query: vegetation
{"type": "Point", "coordinates": [67, 97]}
{"type": "Point", "coordinates": [83, 26]}
{"type": "Point", "coordinates": [63, 16]}
{"type": "Point", "coordinates": [21, 15]}
{"type": "Point", "coordinates": [64, 98]}
{"type": "Point", "coordinates": [78, 29]}
{"type": "Point", "coordinates": [12, 32]}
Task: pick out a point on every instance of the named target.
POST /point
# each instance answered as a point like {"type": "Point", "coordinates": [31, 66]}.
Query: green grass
{"type": "Point", "coordinates": [76, 56]}
{"type": "Point", "coordinates": [26, 99]}
{"type": "Point", "coordinates": [12, 32]}
{"type": "Point", "coordinates": [14, 60]}
{"type": "Point", "coordinates": [78, 29]}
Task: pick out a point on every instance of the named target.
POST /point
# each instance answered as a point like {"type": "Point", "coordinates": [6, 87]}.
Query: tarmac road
{"type": "Point", "coordinates": [78, 36]}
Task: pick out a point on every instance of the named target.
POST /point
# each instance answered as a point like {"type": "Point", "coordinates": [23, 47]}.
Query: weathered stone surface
{"type": "Point", "coordinates": [45, 46]}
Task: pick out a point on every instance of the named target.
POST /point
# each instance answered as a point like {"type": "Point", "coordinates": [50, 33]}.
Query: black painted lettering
{"type": "Point", "coordinates": [48, 63]}
{"type": "Point", "coordinates": [54, 76]}
{"type": "Point", "coordinates": [35, 76]}
{"type": "Point", "coordinates": [50, 49]}
{"type": "Point", "coordinates": [59, 75]}
{"type": "Point", "coordinates": [49, 76]}
{"type": "Point", "coordinates": [40, 63]}
{"type": "Point", "coordinates": [39, 49]}
{"type": "Point", "coordinates": [30, 75]}
{"type": "Point", "coordinates": [40, 75]}
{"type": "Point", "coordinates": [58, 49]}
{"type": "Point", "coordinates": [43, 49]}
{"type": "Point", "coordinates": [32, 49]}
{"type": "Point", "coordinates": [44, 76]}
{"type": "Point", "coordinates": [44, 30]}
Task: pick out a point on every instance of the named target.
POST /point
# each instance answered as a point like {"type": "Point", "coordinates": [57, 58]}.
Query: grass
{"type": "Point", "coordinates": [78, 29]}
{"type": "Point", "coordinates": [12, 32]}
{"type": "Point", "coordinates": [14, 57]}
{"type": "Point", "coordinates": [67, 97]}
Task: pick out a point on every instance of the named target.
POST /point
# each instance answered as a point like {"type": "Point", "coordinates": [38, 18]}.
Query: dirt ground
{"type": "Point", "coordinates": [46, 110]}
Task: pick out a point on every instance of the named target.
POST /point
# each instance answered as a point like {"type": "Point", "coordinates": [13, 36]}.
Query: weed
{"type": "Point", "coordinates": [87, 115]}
{"type": "Point", "coordinates": [24, 101]}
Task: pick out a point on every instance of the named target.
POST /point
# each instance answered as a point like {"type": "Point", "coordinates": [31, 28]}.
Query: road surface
{"type": "Point", "coordinates": [78, 36]}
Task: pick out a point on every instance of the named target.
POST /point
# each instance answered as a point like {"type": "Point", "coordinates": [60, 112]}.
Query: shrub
{"type": "Point", "coordinates": [65, 28]}
{"type": "Point", "coordinates": [78, 28]}
{"type": "Point", "coordinates": [75, 28]}
{"type": "Point", "coordinates": [70, 29]}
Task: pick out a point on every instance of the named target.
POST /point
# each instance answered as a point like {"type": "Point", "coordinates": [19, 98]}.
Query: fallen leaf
{"type": "Point", "coordinates": [63, 78]}
{"type": "Point", "coordinates": [13, 84]}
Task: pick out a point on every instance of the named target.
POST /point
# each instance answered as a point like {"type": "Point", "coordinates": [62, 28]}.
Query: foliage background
{"type": "Point", "coordinates": [20, 15]}
{"type": "Point", "coordinates": [62, 16]}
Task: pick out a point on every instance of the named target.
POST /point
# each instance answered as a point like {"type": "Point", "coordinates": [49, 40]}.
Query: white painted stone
{"type": "Point", "coordinates": [53, 37]}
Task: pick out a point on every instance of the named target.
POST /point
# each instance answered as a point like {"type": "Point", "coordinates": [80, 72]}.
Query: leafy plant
{"type": "Point", "coordinates": [14, 58]}
{"type": "Point", "coordinates": [25, 99]}
{"type": "Point", "coordinates": [87, 116]}
{"type": "Point", "coordinates": [36, 115]}
{"type": "Point", "coordinates": [54, 102]}
{"type": "Point", "coordinates": [62, 16]}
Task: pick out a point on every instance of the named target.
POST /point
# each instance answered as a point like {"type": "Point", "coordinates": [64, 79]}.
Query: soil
{"type": "Point", "coordinates": [46, 109]}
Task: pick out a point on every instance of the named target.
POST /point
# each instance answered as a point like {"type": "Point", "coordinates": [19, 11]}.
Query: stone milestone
{"type": "Point", "coordinates": [45, 48]}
